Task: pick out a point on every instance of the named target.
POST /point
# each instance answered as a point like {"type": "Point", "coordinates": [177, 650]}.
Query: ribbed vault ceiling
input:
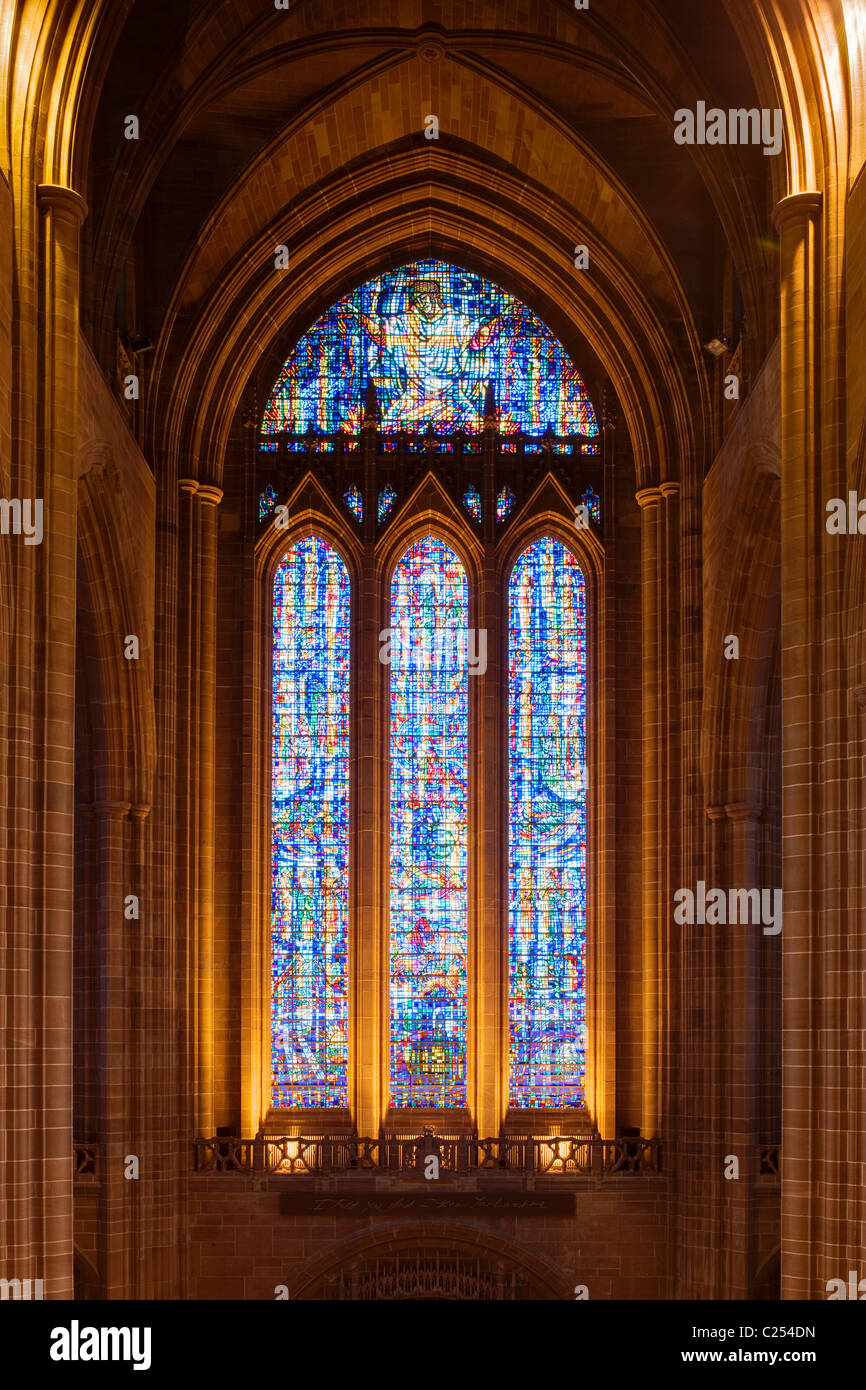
{"type": "Point", "coordinates": [261, 126]}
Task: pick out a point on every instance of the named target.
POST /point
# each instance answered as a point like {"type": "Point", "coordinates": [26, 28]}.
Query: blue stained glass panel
{"type": "Point", "coordinates": [591, 500]}
{"type": "Point", "coordinates": [504, 503]}
{"type": "Point", "coordinates": [472, 502]}
{"type": "Point", "coordinates": [430, 337]}
{"type": "Point", "coordinates": [387, 498]}
{"type": "Point", "coordinates": [355, 502]}
{"type": "Point", "coordinates": [310, 798]}
{"type": "Point", "coordinates": [547, 828]}
{"type": "Point", "coordinates": [428, 855]}
{"type": "Point", "coordinates": [267, 502]}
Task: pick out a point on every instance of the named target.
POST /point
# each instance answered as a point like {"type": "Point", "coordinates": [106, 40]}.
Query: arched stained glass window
{"type": "Point", "coordinates": [310, 796]}
{"type": "Point", "coordinates": [428, 857]}
{"type": "Point", "coordinates": [430, 337]}
{"type": "Point", "coordinates": [547, 830]}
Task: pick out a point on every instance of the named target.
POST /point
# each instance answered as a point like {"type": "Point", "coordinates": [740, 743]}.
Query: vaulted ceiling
{"type": "Point", "coordinates": [306, 127]}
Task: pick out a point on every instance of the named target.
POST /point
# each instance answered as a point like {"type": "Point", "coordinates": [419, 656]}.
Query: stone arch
{"type": "Point", "coordinates": [376, 1263]}
{"type": "Point", "coordinates": [228, 311]}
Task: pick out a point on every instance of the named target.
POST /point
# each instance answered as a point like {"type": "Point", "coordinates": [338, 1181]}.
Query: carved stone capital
{"type": "Point", "coordinates": [648, 497]}
{"type": "Point", "coordinates": [106, 810]}
{"type": "Point", "coordinates": [59, 199]}
{"type": "Point", "coordinates": [796, 208]}
{"type": "Point", "coordinates": [209, 495]}
{"type": "Point", "coordinates": [743, 810]}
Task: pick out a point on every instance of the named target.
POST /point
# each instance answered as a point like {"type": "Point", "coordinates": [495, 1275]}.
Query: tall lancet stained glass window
{"type": "Point", "coordinates": [428, 856]}
{"type": "Point", "coordinates": [547, 829]}
{"type": "Point", "coordinates": [310, 799]}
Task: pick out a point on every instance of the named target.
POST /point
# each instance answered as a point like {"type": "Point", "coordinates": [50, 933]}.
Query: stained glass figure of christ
{"type": "Point", "coordinates": [430, 336]}
{"type": "Point", "coordinates": [429, 804]}
{"type": "Point", "coordinates": [310, 796]}
{"type": "Point", "coordinates": [547, 831]}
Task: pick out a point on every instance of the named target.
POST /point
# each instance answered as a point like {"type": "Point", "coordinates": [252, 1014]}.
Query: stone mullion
{"type": "Point", "coordinates": [489, 811]}
{"type": "Point", "coordinates": [61, 214]}
{"type": "Point", "coordinates": [802, 527]}
{"type": "Point", "coordinates": [368, 956]}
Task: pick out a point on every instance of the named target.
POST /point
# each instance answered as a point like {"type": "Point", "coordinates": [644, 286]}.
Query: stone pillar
{"type": "Point", "coordinates": [41, 1044]}
{"type": "Point", "coordinates": [811, 1018]}
{"type": "Point", "coordinates": [369, 953]}
{"type": "Point", "coordinates": [488, 1091]}
{"type": "Point", "coordinates": [115, 1045]}
{"type": "Point", "coordinates": [196, 747]}
{"type": "Point", "coordinates": [602, 791]}
{"type": "Point", "coordinates": [659, 615]}
{"type": "Point", "coordinates": [741, 988]}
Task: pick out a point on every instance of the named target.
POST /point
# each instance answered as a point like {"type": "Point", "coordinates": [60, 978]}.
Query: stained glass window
{"type": "Point", "coordinates": [267, 502]}
{"type": "Point", "coordinates": [547, 831]}
{"type": "Point", "coordinates": [387, 498]}
{"type": "Point", "coordinates": [592, 502]}
{"type": "Point", "coordinates": [428, 856]}
{"type": "Point", "coordinates": [472, 502]}
{"type": "Point", "coordinates": [354, 501]}
{"type": "Point", "coordinates": [310, 794]}
{"type": "Point", "coordinates": [430, 336]}
{"type": "Point", "coordinates": [504, 503]}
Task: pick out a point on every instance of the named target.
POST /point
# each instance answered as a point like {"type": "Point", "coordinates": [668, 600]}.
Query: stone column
{"type": "Point", "coordinates": [659, 610]}
{"type": "Point", "coordinates": [115, 1046]}
{"type": "Point", "coordinates": [602, 791]}
{"type": "Point", "coordinates": [488, 1090]}
{"type": "Point", "coordinates": [810, 1023]}
{"type": "Point", "coordinates": [369, 955]}
{"type": "Point", "coordinates": [741, 987]}
{"type": "Point", "coordinates": [196, 745]}
{"type": "Point", "coordinates": [46, 1030]}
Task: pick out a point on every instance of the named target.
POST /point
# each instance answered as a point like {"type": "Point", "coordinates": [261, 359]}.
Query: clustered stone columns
{"type": "Point", "coordinates": [197, 563]}
{"type": "Point", "coordinates": [602, 796]}
{"type": "Point", "coordinates": [659, 607]}
{"type": "Point", "coordinates": [36, 1234]}
{"type": "Point", "coordinates": [116, 1044]}
{"type": "Point", "coordinates": [816, 1015]}
{"type": "Point", "coordinates": [740, 1024]}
